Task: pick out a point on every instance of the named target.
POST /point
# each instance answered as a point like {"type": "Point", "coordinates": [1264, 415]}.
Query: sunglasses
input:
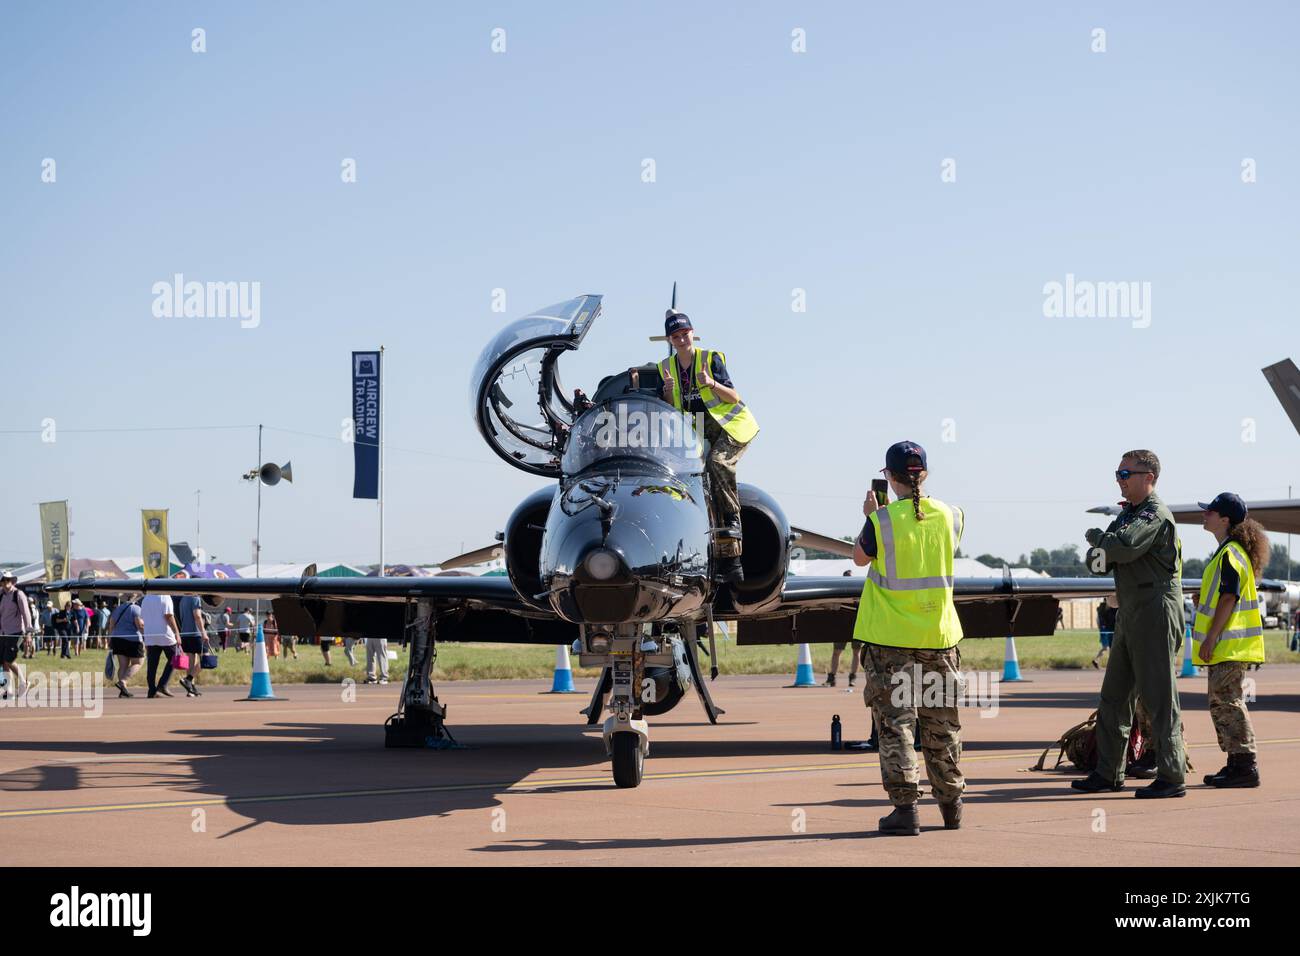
{"type": "Point", "coordinates": [1124, 474]}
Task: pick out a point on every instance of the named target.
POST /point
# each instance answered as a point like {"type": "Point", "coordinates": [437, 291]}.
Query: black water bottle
{"type": "Point", "coordinates": [837, 739]}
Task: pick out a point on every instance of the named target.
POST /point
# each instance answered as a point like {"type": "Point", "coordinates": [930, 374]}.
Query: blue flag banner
{"type": "Point", "coordinates": [365, 424]}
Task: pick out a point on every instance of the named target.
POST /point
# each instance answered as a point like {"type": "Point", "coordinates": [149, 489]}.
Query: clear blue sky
{"type": "Point", "coordinates": [522, 171]}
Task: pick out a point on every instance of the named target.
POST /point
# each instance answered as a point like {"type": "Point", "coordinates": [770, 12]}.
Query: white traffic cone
{"type": "Point", "coordinates": [562, 682]}
{"type": "Point", "coordinates": [803, 672]}
{"type": "Point", "coordinates": [1011, 663]}
{"type": "Point", "coordinates": [1189, 667]}
{"type": "Point", "coordinates": [260, 689]}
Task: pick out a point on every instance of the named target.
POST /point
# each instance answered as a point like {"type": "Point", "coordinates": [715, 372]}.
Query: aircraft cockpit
{"type": "Point", "coordinates": [515, 394]}
{"type": "Point", "coordinates": [628, 426]}
{"type": "Point", "coordinates": [530, 421]}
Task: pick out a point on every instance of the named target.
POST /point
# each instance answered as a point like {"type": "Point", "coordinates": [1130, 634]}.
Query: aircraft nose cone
{"type": "Point", "coordinates": [636, 558]}
{"type": "Point", "coordinates": [601, 565]}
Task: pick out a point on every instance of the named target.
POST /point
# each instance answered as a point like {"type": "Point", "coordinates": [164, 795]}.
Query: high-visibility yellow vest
{"type": "Point", "coordinates": [907, 597]}
{"type": "Point", "coordinates": [735, 418]}
{"type": "Point", "coordinates": [1243, 636]}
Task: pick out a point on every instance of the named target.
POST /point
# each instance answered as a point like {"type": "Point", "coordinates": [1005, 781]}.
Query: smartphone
{"type": "Point", "coordinates": [881, 487]}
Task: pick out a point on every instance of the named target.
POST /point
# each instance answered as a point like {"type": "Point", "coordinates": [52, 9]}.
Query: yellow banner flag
{"type": "Point", "coordinates": [157, 564]}
{"type": "Point", "coordinates": [54, 544]}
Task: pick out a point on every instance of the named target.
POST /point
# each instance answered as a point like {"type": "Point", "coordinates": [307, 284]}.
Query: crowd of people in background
{"type": "Point", "coordinates": [73, 629]}
{"type": "Point", "coordinates": [153, 632]}
{"type": "Point", "coordinates": [152, 628]}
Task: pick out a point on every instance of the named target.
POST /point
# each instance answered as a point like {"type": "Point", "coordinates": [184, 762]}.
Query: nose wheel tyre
{"type": "Point", "coordinates": [629, 762]}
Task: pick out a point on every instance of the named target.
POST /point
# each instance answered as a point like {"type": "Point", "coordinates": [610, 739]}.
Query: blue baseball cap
{"type": "Point", "coordinates": [897, 458]}
{"type": "Point", "coordinates": [676, 321]}
{"type": "Point", "coordinates": [1227, 504]}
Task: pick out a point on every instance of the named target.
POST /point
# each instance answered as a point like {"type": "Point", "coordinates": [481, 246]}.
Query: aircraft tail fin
{"type": "Point", "coordinates": [1284, 377]}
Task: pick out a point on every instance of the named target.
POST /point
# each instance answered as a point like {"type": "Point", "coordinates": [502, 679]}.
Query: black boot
{"type": "Point", "coordinates": [729, 568]}
{"type": "Point", "coordinates": [1096, 783]}
{"type": "Point", "coordinates": [904, 821]}
{"type": "Point", "coordinates": [951, 814]}
{"type": "Point", "coordinates": [1242, 771]}
{"type": "Point", "coordinates": [1217, 779]}
{"type": "Point", "coordinates": [1247, 771]}
{"type": "Point", "coordinates": [1144, 768]}
{"type": "Point", "coordinates": [730, 571]}
{"type": "Point", "coordinates": [1162, 788]}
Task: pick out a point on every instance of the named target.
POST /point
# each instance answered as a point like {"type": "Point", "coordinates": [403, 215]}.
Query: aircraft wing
{"type": "Point", "coordinates": [808, 591]}
{"type": "Point", "coordinates": [823, 609]}
{"type": "Point", "coordinates": [811, 539]}
{"type": "Point", "coordinates": [468, 608]}
{"type": "Point", "coordinates": [1279, 514]}
{"type": "Point", "coordinates": [832, 591]}
{"type": "Point", "coordinates": [478, 556]}
{"type": "Point", "coordinates": [1284, 378]}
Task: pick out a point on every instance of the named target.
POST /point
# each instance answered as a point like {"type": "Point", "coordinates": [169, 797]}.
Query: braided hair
{"type": "Point", "coordinates": [914, 480]}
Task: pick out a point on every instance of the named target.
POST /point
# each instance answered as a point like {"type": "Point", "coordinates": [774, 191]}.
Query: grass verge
{"type": "Point", "coordinates": [1065, 650]}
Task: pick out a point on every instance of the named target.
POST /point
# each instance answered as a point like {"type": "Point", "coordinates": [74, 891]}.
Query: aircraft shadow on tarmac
{"type": "Point", "coordinates": [311, 767]}
{"type": "Point", "coordinates": [310, 774]}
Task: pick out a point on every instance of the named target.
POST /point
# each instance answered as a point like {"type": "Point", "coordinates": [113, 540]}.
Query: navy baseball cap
{"type": "Point", "coordinates": [896, 459]}
{"type": "Point", "coordinates": [676, 321]}
{"type": "Point", "coordinates": [1227, 504]}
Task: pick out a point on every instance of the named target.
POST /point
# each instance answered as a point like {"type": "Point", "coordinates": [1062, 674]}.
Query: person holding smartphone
{"type": "Point", "coordinates": [909, 624]}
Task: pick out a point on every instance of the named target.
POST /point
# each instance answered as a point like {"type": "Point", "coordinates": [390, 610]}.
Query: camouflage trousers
{"type": "Point", "coordinates": [896, 691]}
{"type": "Point", "coordinates": [724, 455]}
{"type": "Point", "coordinates": [1228, 708]}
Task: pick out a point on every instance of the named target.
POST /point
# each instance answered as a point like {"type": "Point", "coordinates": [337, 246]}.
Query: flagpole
{"type": "Point", "coordinates": [257, 545]}
{"type": "Point", "coordinates": [381, 461]}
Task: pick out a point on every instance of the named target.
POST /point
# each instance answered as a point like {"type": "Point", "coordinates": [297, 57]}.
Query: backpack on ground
{"type": "Point", "coordinates": [1079, 746]}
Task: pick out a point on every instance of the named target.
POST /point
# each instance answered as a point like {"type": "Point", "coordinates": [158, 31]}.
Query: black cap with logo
{"type": "Point", "coordinates": [676, 321]}
{"type": "Point", "coordinates": [897, 459]}
{"type": "Point", "coordinates": [1229, 505]}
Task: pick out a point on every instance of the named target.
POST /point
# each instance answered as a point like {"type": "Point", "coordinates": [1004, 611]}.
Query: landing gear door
{"type": "Point", "coordinates": [515, 393]}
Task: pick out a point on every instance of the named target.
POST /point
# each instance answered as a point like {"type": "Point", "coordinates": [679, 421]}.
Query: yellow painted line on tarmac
{"type": "Point", "coordinates": [503, 787]}
{"type": "Point", "coordinates": [143, 715]}
{"type": "Point", "coordinates": [533, 696]}
{"type": "Point", "coordinates": [135, 715]}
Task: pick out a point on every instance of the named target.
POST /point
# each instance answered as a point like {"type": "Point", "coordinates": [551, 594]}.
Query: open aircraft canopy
{"type": "Point", "coordinates": [515, 393]}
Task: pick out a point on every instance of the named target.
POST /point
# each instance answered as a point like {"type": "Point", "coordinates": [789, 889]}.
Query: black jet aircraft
{"type": "Point", "coordinates": [613, 555]}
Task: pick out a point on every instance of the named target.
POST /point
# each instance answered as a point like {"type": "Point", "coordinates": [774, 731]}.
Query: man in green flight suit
{"type": "Point", "coordinates": [1141, 547]}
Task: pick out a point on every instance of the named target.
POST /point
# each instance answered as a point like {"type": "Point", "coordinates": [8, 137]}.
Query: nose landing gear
{"type": "Point", "coordinates": [627, 741]}
{"type": "Point", "coordinates": [623, 652]}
